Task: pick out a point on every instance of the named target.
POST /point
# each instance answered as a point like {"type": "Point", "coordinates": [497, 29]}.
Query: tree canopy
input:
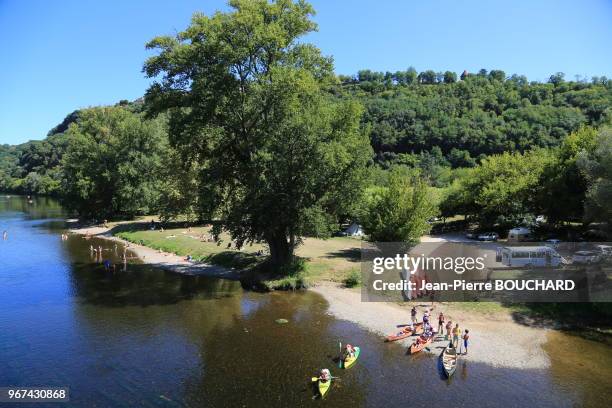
{"type": "Point", "coordinates": [279, 156]}
{"type": "Point", "coordinates": [399, 211]}
{"type": "Point", "coordinates": [112, 164]}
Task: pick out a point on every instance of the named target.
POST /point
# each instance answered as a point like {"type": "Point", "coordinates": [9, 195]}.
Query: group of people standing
{"type": "Point", "coordinates": [108, 265]}
{"type": "Point", "coordinates": [443, 324]}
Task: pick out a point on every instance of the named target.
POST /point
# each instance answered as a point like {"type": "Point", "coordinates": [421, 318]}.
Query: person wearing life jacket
{"type": "Point", "coordinates": [325, 375]}
{"type": "Point", "coordinates": [349, 351]}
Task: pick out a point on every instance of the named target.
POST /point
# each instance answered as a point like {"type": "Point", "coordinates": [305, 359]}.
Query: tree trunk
{"type": "Point", "coordinates": [281, 251]}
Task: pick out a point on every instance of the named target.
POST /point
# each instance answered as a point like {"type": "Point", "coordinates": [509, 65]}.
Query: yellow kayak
{"type": "Point", "coordinates": [349, 361]}
{"type": "Point", "coordinates": [322, 387]}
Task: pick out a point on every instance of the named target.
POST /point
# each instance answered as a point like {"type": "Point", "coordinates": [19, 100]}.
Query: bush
{"type": "Point", "coordinates": [353, 279]}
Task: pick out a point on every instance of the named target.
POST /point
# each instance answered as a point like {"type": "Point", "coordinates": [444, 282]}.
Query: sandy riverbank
{"type": "Point", "coordinates": [164, 260]}
{"type": "Point", "coordinates": [495, 340]}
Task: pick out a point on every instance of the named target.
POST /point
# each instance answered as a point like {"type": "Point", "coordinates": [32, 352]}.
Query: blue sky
{"type": "Point", "coordinates": [58, 56]}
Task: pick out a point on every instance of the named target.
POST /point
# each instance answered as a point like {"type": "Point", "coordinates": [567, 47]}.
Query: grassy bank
{"type": "Point", "coordinates": [335, 259]}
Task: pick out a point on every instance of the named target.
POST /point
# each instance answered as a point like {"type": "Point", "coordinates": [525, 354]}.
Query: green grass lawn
{"type": "Point", "coordinates": [335, 259]}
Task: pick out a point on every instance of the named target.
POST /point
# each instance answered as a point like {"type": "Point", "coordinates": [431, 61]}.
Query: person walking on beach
{"type": "Point", "coordinates": [441, 323]}
{"type": "Point", "coordinates": [466, 337]}
{"type": "Point", "coordinates": [449, 327]}
{"type": "Point", "coordinates": [425, 318]}
{"type": "Point", "coordinates": [413, 315]}
{"type": "Point", "coordinates": [456, 334]}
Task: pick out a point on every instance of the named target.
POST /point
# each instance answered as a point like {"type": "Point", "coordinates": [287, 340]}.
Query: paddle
{"type": "Point", "coordinates": [315, 379]}
{"type": "Point", "coordinates": [340, 355]}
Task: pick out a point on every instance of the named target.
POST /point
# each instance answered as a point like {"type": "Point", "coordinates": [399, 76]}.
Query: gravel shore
{"type": "Point", "coordinates": [495, 340]}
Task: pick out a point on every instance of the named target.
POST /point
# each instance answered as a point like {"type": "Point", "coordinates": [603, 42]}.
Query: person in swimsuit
{"type": "Point", "coordinates": [466, 337]}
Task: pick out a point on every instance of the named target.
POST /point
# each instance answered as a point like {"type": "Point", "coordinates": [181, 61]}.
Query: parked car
{"type": "Point", "coordinates": [552, 242]}
{"type": "Point", "coordinates": [488, 236]}
{"type": "Point", "coordinates": [605, 251]}
{"type": "Point", "coordinates": [586, 257]}
{"type": "Point", "coordinates": [471, 235]}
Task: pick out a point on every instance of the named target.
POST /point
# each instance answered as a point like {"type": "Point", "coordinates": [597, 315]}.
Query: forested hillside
{"type": "Point", "coordinates": [455, 132]}
{"type": "Point", "coordinates": [428, 120]}
{"type": "Point", "coordinates": [468, 118]}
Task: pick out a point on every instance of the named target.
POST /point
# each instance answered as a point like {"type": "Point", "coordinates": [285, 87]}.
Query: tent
{"type": "Point", "coordinates": [354, 230]}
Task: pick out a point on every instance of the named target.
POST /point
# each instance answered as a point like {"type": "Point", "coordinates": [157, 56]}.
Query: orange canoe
{"type": "Point", "coordinates": [406, 332]}
{"type": "Point", "coordinates": [420, 343]}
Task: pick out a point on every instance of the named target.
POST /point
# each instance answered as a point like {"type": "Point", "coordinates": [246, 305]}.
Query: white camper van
{"type": "Point", "coordinates": [529, 256]}
{"type": "Point", "coordinates": [519, 234]}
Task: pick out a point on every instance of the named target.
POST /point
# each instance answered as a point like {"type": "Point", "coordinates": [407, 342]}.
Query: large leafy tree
{"type": "Point", "coordinates": [597, 167]}
{"type": "Point", "coordinates": [399, 211]}
{"type": "Point", "coordinates": [278, 157]}
{"type": "Point", "coordinates": [112, 164]}
{"type": "Point", "coordinates": [501, 191]}
{"type": "Point", "coordinates": [563, 184]}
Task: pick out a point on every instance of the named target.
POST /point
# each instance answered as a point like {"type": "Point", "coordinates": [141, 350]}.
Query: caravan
{"type": "Point", "coordinates": [519, 234]}
{"type": "Point", "coordinates": [529, 256]}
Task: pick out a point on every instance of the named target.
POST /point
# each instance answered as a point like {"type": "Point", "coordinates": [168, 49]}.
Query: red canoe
{"type": "Point", "coordinates": [406, 332]}
{"type": "Point", "coordinates": [420, 343]}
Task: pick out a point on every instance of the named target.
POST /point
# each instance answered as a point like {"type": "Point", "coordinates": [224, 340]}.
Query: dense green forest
{"type": "Point", "coordinates": [434, 121]}
{"type": "Point", "coordinates": [296, 156]}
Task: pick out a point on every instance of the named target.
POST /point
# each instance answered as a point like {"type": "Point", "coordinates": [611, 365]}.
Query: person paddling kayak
{"type": "Point", "coordinates": [323, 381]}
{"type": "Point", "coordinates": [325, 375]}
{"type": "Point", "coordinates": [349, 351]}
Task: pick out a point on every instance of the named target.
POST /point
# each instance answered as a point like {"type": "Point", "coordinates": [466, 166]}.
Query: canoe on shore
{"type": "Point", "coordinates": [449, 359]}
{"type": "Point", "coordinates": [349, 361]}
{"type": "Point", "coordinates": [420, 343]}
{"type": "Point", "coordinates": [406, 332]}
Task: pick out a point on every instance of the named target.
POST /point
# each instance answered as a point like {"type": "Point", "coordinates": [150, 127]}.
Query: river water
{"type": "Point", "coordinates": [146, 337]}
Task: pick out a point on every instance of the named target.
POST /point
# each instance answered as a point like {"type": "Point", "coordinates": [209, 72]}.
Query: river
{"type": "Point", "coordinates": [147, 337]}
